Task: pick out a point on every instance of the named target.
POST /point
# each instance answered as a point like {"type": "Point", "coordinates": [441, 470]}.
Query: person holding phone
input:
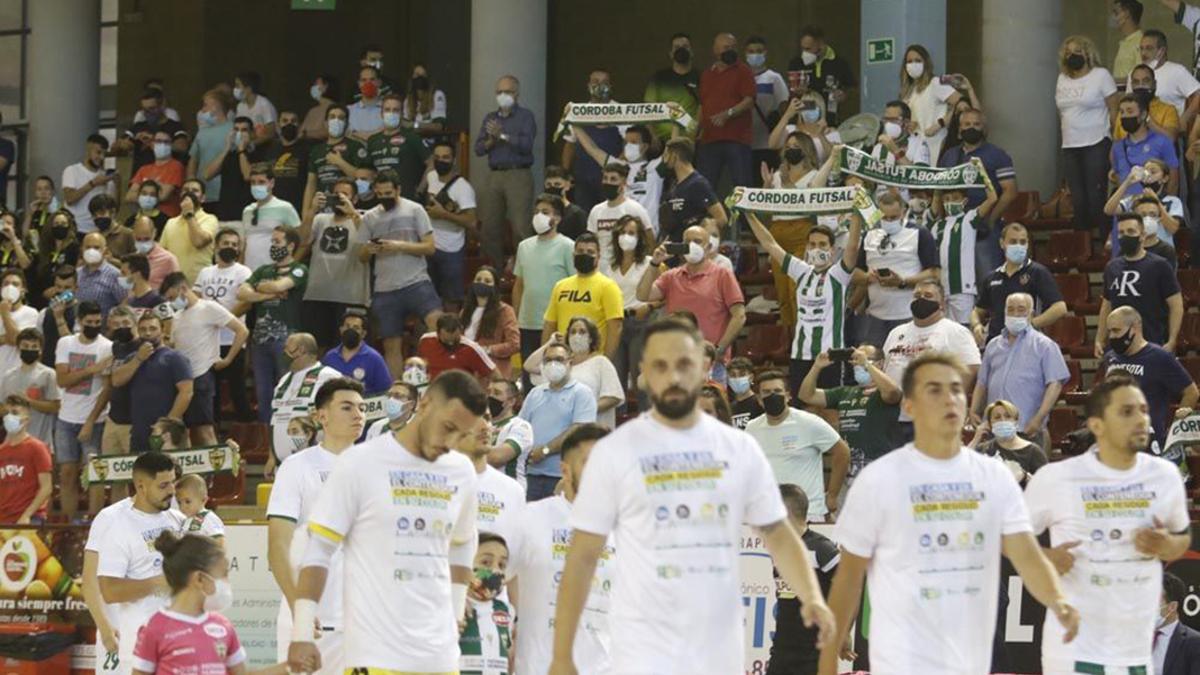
{"type": "Point", "coordinates": [86, 179]}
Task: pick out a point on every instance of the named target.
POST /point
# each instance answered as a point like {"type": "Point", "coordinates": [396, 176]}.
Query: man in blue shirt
{"type": "Point", "coordinates": [1142, 144]}
{"type": "Point", "coordinates": [506, 138]}
{"type": "Point", "coordinates": [159, 379]}
{"type": "Point", "coordinates": [355, 358]}
{"type": "Point", "coordinates": [553, 410]}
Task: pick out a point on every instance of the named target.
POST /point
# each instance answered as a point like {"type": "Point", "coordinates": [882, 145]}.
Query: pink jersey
{"type": "Point", "coordinates": [178, 644]}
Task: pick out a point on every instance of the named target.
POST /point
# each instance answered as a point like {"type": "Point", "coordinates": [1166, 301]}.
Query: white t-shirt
{"type": "Point", "coordinates": [1115, 588]}
{"type": "Point", "coordinates": [221, 286]}
{"type": "Point", "coordinates": [932, 530]}
{"type": "Point", "coordinates": [1173, 84]}
{"type": "Point", "coordinates": [96, 534]}
{"type": "Point", "coordinates": [1082, 108]}
{"type": "Point", "coordinates": [196, 333]}
{"type": "Point", "coordinates": [206, 523]}
{"type": "Point", "coordinates": [261, 113]}
{"type": "Point", "coordinates": [794, 449]}
{"type": "Point", "coordinates": [518, 433]}
{"type": "Point", "coordinates": [544, 537]}
{"type": "Point", "coordinates": [909, 340]}
{"type": "Point", "coordinates": [437, 111]}
{"type": "Point", "coordinates": [76, 176]}
{"type": "Point", "coordinates": [448, 236]}
{"type": "Point", "coordinates": [603, 218]}
{"type": "Point", "coordinates": [78, 400]}
{"type": "Point", "coordinates": [257, 235]}
{"type": "Point", "coordinates": [293, 397]}
{"type": "Point", "coordinates": [628, 282]}
{"type": "Point", "coordinates": [600, 376]}
{"type": "Point", "coordinates": [901, 255]}
{"type": "Point", "coordinates": [501, 503]}
{"type": "Point", "coordinates": [396, 516]}
{"type": "Point", "coordinates": [675, 501]}
{"type": "Point", "coordinates": [10, 355]}
{"type": "Point", "coordinates": [770, 91]}
{"type": "Point", "coordinates": [929, 105]}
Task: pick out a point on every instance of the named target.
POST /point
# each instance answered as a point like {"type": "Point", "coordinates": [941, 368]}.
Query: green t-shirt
{"type": "Point", "coordinates": [540, 264]}
{"type": "Point", "coordinates": [485, 641]}
{"type": "Point", "coordinates": [866, 423]}
{"type": "Point", "coordinates": [327, 174]}
{"type": "Point", "coordinates": [277, 319]}
{"type": "Point", "coordinates": [667, 85]}
{"type": "Point", "coordinates": [403, 153]}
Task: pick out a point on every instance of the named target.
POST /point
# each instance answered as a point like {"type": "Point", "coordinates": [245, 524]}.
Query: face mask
{"type": "Point", "coordinates": [1076, 62]}
{"type": "Point", "coordinates": [793, 156]}
{"type": "Point", "coordinates": [954, 208]}
{"type": "Point", "coordinates": [1130, 245]}
{"type": "Point", "coordinates": [918, 204]}
{"type": "Point", "coordinates": [584, 263]}
{"type": "Point", "coordinates": [627, 242]}
{"type": "Point", "coordinates": [179, 304]}
{"type": "Point", "coordinates": [391, 120]}
{"type": "Point", "coordinates": [579, 344]}
{"type": "Point", "coordinates": [681, 55]}
{"type": "Point", "coordinates": [600, 92]}
{"type": "Point", "coordinates": [278, 253]}
{"type": "Point", "coordinates": [147, 202]}
{"type": "Point", "coordinates": [91, 332]}
{"type": "Point", "coordinates": [10, 293]}
{"type": "Point", "coordinates": [923, 308]}
{"type": "Point", "coordinates": [336, 127]}
{"type": "Point", "coordinates": [362, 185]}
{"type": "Point", "coordinates": [123, 335]}
{"type": "Point", "coordinates": [554, 371]}
{"type": "Point", "coordinates": [1121, 343]}
{"type": "Point", "coordinates": [633, 152]}
{"type": "Point", "coordinates": [739, 385]}
{"type": "Point", "coordinates": [369, 89]}
{"type": "Point", "coordinates": [555, 190]}
{"type": "Point", "coordinates": [756, 60]}
{"type": "Point", "coordinates": [60, 231]}
{"type": "Point", "coordinates": [102, 223]}
{"type": "Point", "coordinates": [775, 404]}
{"type": "Point", "coordinates": [299, 442]}
{"type": "Point", "coordinates": [54, 205]}
{"type": "Point", "coordinates": [205, 118]}
{"type": "Point", "coordinates": [238, 137]}
{"type": "Point", "coordinates": [505, 100]}
{"type": "Point", "coordinates": [1004, 430]}
{"type": "Point", "coordinates": [239, 94]}
{"type": "Point", "coordinates": [227, 255]}
{"type": "Point", "coordinates": [893, 129]}
{"type": "Point", "coordinates": [862, 376]}
{"type": "Point", "coordinates": [388, 203]}
{"type": "Point", "coordinates": [817, 257]}
{"type": "Point", "coordinates": [12, 423]}
{"type": "Point", "coordinates": [1015, 253]}
{"type": "Point", "coordinates": [610, 191]}
{"type": "Point", "coordinates": [1016, 324]}
{"type": "Point", "coordinates": [1153, 185]}
{"type": "Point", "coordinates": [92, 256]}
{"type": "Point", "coordinates": [1150, 224]}
{"type": "Point", "coordinates": [892, 227]}
{"type": "Point", "coordinates": [351, 338]}
{"type": "Point", "coordinates": [971, 136]}
{"type": "Point", "coordinates": [915, 69]}
{"type": "Point", "coordinates": [1131, 124]}
{"type": "Point", "coordinates": [810, 115]}
{"type": "Point", "coordinates": [541, 223]}
{"type": "Point", "coordinates": [143, 247]}
{"type": "Point", "coordinates": [316, 92]}
{"type": "Point", "coordinates": [259, 192]}
{"type": "Point", "coordinates": [125, 284]}
{"type": "Point", "coordinates": [288, 132]}
{"type": "Point", "coordinates": [162, 150]}
{"type": "Point", "coordinates": [495, 406]}
{"type": "Point", "coordinates": [695, 253]}
{"type": "Point", "coordinates": [443, 167]}
{"type": "Point", "coordinates": [420, 83]}
{"type": "Point", "coordinates": [662, 169]}
{"type": "Point", "coordinates": [808, 58]}
{"type": "Point", "coordinates": [394, 407]}
{"type": "Point", "coordinates": [482, 291]}
{"type": "Point", "coordinates": [729, 57]}
{"type": "Point", "coordinates": [29, 356]}
{"type": "Point", "coordinates": [222, 597]}
{"type": "Point", "coordinates": [1144, 96]}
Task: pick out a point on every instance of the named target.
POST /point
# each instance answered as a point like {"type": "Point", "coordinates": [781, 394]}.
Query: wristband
{"type": "Point", "coordinates": [304, 617]}
{"type": "Point", "coordinates": [458, 600]}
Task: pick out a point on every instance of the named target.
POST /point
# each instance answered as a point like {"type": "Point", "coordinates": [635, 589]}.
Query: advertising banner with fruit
{"type": "Point", "coordinates": [117, 468]}
{"type": "Point", "coordinates": [40, 571]}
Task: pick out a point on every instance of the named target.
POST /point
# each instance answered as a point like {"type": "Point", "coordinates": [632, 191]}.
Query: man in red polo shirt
{"type": "Point", "coordinates": [447, 349]}
{"type": "Point", "coordinates": [24, 467]}
{"type": "Point", "coordinates": [726, 99]}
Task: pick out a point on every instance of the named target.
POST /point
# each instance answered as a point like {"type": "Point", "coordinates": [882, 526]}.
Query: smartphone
{"type": "Point", "coordinates": [673, 248]}
{"type": "Point", "coordinates": [883, 272]}
{"type": "Point", "coordinates": [840, 354]}
{"type": "Point", "coordinates": [109, 172]}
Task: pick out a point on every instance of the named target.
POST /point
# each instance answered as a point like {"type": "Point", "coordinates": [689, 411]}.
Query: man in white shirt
{"type": "Point", "coordinates": [1174, 84]}
{"type": "Point", "coordinates": [927, 523]}
{"type": "Point", "coordinates": [86, 179]}
{"type": "Point", "coordinates": [501, 500]}
{"type": "Point", "coordinates": [294, 394]}
{"type": "Point", "coordinates": [1115, 514]}
{"type": "Point", "coordinates": [643, 184]}
{"type": "Point", "coordinates": [771, 93]}
{"type": "Point", "coordinates": [542, 539]}
{"type": "Point", "coordinates": [15, 316]}
{"type": "Point", "coordinates": [676, 487]}
{"type": "Point", "coordinates": [298, 484]}
{"type": "Point", "coordinates": [219, 282]}
{"type": "Point", "coordinates": [402, 509]}
{"type": "Point", "coordinates": [895, 257]}
{"type": "Point", "coordinates": [81, 362]}
{"type": "Point", "coordinates": [450, 203]}
{"type": "Point", "coordinates": [603, 217]}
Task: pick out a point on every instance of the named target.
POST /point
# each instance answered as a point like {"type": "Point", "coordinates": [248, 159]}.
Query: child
{"type": "Point", "coordinates": [955, 230]}
{"type": "Point", "coordinates": [192, 494]}
{"type": "Point", "coordinates": [485, 639]}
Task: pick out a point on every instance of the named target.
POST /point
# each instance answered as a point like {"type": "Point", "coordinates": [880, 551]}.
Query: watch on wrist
{"type": "Point", "coordinates": [545, 451]}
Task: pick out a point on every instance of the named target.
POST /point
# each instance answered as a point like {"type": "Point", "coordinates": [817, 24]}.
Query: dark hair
{"type": "Point", "coordinates": [184, 555]}
{"type": "Point", "coordinates": [556, 171]}
{"type": "Point", "coordinates": [388, 176]}
{"type": "Point", "coordinates": [355, 313]}
{"type": "Point", "coordinates": [671, 326]}
{"type": "Point", "coordinates": [1174, 588]}
{"type": "Point", "coordinates": [582, 434]}
{"type": "Point", "coordinates": [444, 141]}
{"type": "Point", "coordinates": [97, 139]}
{"type": "Point", "coordinates": [795, 500]}
{"type": "Point", "coordinates": [449, 322]}
{"type": "Point", "coordinates": [29, 335]}
{"type": "Point", "coordinates": [639, 250]}
{"type": "Point", "coordinates": [66, 271]}
{"type": "Point", "coordinates": [513, 390]}
{"type": "Point", "coordinates": [332, 386]}
{"type": "Point", "coordinates": [741, 363]}
{"type": "Point", "coordinates": [338, 106]}
{"type": "Point", "coordinates": [1145, 199]}
{"type": "Point", "coordinates": [333, 89]}
{"type": "Point", "coordinates": [137, 262]}
{"type": "Point", "coordinates": [683, 148]}
{"type": "Point", "coordinates": [251, 79]}
{"type": "Point", "coordinates": [461, 385]}
{"type": "Point", "coordinates": [587, 238]}
{"type": "Point", "coordinates": [226, 231]}
{"type": "Point", "coordinates": [101, 202]}
{"type": "Point", "coordinates": [684, 315]}
{"type": "Point", "coordinates": [173, 428]}
{"type": "Point", "coordinates": [13, 271]}
{"type": "Point", "coordinates": [756, 40]}
{"type": "Point", "coordinates": [1133, 7]}
{"type": "Point", "coordinates": [86, 308]}
{"type": "Point", "coordinates": [1129, 215]}
{"type": "Point", "coordinates": [905, 111]}
{"type": "Point", "coordinates": [194, 181]}
{"type": "Point", "coordinates": [908, 382]}
{"type": "Point", "coordinates": [170, 281]}
{"type": "Point", "coordinates": [553, 201]}
{"type": "Point", "coordinates": [146, 183]}
{"type": "Point", "coordinates": [44, 177]}
{"type": "Point", "coordinates": [593, 331]}
{"type": "Point", "coordinates": [724, 411]}
{"type": "Point", "coordinates": [1159, 37]}
{"type": "Point", "coordinates": [822, 230]}
{"type": "Point", "coordinates": [369, 47]}
{"type": "Point", "coordinates": [681, 34]}
{"type": "Point", "coordinates": [813, 31]}
{"type": "Point", "coordinates": [1130, 98]}
{"type": "Point", "coordinates": [1148, 69]}
{"type": "Point", "coordinates": [152, 464]}
{"type": "Point", "coordinates": [491, 309]}
{"type": "Point", "coordinates": [242, 119]}
{"type": "Point", "coordinates": [1102, 392]}
{"type": "Point", "coordinates": [641, 130]}
{"type": "Point", "coordinates": [413, 391]}
{"type": "Point", "coordinates": [149, 316]}
{"type": "Point", "coordinates": [262, 169]}
{"type": "Point", "coordinates": [17, 400]}
{"type": "Point", "coordinates": [768, 375]}
{"type": "Point", "coordinates": [290, 235]}
{"type": "Point", "coordinates": [618, 168]}
{"type": "Point", "coordinates": [492, 538]}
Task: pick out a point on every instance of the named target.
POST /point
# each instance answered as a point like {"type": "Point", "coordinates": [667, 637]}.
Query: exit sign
{"type": "Point", "coordinates": [327, 5]}
{"type": "Point", "coordinates": [881, 50]}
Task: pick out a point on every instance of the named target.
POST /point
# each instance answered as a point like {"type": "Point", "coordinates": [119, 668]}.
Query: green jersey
{"type": "Point", "coordinates": [328, 173]}
{"type": "Point", "coordinates": [275, 319]}
{"type": "Point", "coordinates": [865, 422]}
{"type": "Point", "coordinates": [401, 152]}
{"type": "Point", "coordinates": [955, 237]}
{"type": "Point", "coordinates": [485, 641]}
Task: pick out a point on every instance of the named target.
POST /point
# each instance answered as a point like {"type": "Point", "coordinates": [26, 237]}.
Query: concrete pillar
{"type": "Point", "coordinates": [1020, 66]}
{"type": "Point", "coordinates": [509, 38]}
{"type": "Point", "coordinates": [905, 22]}
{"type": "Point", "coordinates": [63, 78]}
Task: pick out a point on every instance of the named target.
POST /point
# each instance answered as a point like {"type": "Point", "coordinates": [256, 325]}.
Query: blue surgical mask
{"type": "Point", "coordinates": [362, 185]}
{"type": "Point", "coordinates": [206, 118]}
{"type": "Point", "coordinates": [756, 60]}
{"type": "Point", "coordinates": [143, 247]}
{"type": "Point", "coordinates": [391, 120]}
{"type": "Point", "coordinates": [147, 202]}
{"type": "Point", "coordinates": [1016, 324]}
{"type": "Point", "coordinates": [259, 192]}
{"type": "Point", "coordinates": [162, 150]}
{"type": "Point", "coordinates": [739, 385]}
{"type": "Point", "coordinates": [862, 376]}
{"type": "Point", "coordinates": [179, 304]}
{"type": "Point", "coordinates": [316, 92]}
{"type": "Point", "coordinates": [336, 127]}
{"type": "Point", "coordinates": [394, 407]}
{"type": "Point", "coordinates": [810, 115]}
{"type": "Point", "coordinates": [892, 227]}
{"type": "Point", "coordinates": [1016, 253]}
{"type": "Point", "coordinates": [12, 423]}
{"type": "Point", "coordinates": [124, 283]}
{"type": "Point", "coordinates": [237, 138]}
{"type": "Point", "coordinates": [1005, 429]}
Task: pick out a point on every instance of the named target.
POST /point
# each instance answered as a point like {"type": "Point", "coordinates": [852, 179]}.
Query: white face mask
{"type": "Point", "coordinates": [10, 293]}
{"type": "Point", "coordinates": [695, 253]}
{"type": "Point", "coordinates": [633, 152]}
{"type": "Point", "coordinates": [1150, 224]}
{"type": "Point", "coordinates": [892, 129]}
{"type": "Point", "coordinates": [579, 344]}
{"type": "Point", "coordinates": [808, 57]}
{"type": "Point", "coordinates": [818, 257]}
{"type": "Point", "coordinates": [541, 223]}
{"type": "Point", "coordinates": [92, 256]}
{"type": "Point", "coordinates": [915, 69]}
{"type": "Point", "coordinates": [554, 371]}
{"type": "Point", "coordinates": [505, 100]}
{"type": "Point", "coordinates": [892, 227]}
{"type": "Point", "coordinates": [221, 598]}
{"type": "Point", "coordinates": [918, 204]}
{"type": "Point", "coordinates": [627, 242]}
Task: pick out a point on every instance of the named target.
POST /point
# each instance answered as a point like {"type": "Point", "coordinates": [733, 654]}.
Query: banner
{"type": "Point", "coordinates": [373, 408]}
{"type": "Point", "coordinates": [256, 596]}
{"type": "Point", "coordinates": [591, 114]}
{"type": "Point", "coordinates": [1182, 434]}
{"type": "Point", "coordinates": [40, 575]}
{"type": "Point", "coordinates": [863, 165]}
{"type": "Point", "coordinates": [794, 201]}
{"type": "Point", "coordinates": [117, 468]}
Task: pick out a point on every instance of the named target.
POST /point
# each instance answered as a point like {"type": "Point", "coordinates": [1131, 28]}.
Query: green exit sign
{"type": "Point", "coordinates": [881, 50]}
{"type": "Point", "coordinates": [327, 5]}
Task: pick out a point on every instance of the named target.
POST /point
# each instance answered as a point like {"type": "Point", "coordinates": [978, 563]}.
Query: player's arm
{"type": "Point", "coordinates": [279, 539]}
{"type": "Point", "coordinates": [116, 590]}
{"type": "Point", "coordinates": [42, 497]}
{"type": "Point", "coordinates": [577, 574]}
{"type": "Point", "coordinates": [464, 541]}
{"type": "Point", "coordinates": [1040, 578]}
{"type": "Point", "coordinates": [94, 601]}
{"type": "Point", "coordinates": [844, 598]}
{"type": "Point", "coordinates": [303, 655]}
{"type": "Point", "coordinates": [1161, 543]}
{"type": "Point", "coordinates": [791, 559]}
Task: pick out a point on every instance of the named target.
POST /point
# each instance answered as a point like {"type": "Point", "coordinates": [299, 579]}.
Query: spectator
{"type": "Point", "coordinates": [99, 280]}
{"type": "Point", "coordinates": [1086, 96]}
{"type": "Point", "coordinates": [116, 439]}
{"type": "Point", "coordinates": [1158, 224]}
{"type": "Point", "coordinates": [119, 239]}
{"type": "Point", "coordinates": [514, 436]}
{"type": "Point", "coordinates": [745, 403]}
{"type": "Point", "coordinates": [589, 366]}
{"type": "Point", "coordinates": [726, 96]}
{"type": "Point", "coordinates": [446, 349]}
{"type": "Point", "coordinates": [930, 99]}
{"type": "Point", "coordinates": [35, 217]}
{"type": "Point", "coordinates": [1001, 175]}
{"type": "Point", "coordinates": [399, 236]}
{"type": "Point", "coordinates": [712, 402]}
{"type": "Point", "coordinates": [147, 205]}
{"type": "Point", "coordinates": [424, 108]}
{"type": "Point", "coordinates": [340, 277]}
{"type": "Point", "coordinates": [15, 316]}
{"type": "Point", "coordinates": [1024, 366]}
{"type": "Point", "coordinates": [1159, 374]}
{"type": "Point", "coordinates": [1020, 273]}
{"type": "Point", "coordinates": [819, 69]}
{"type": "Point", "coordinates": [1145, 282]}
{"type": "Point", "coordinates": [364, 195]}
{"type": "Point", "coordinates": [135, 270]}
{"type": "Point", "coordinates": [605, 215]}
{"type": "Point", "coordinates": [80, 362]}
{"type": "Point", "coordinates": [233, 165]}
{"type": "Point", "coordinates": [339, 156]}
{"type": "Point", "coordinates": [794, 442]}
{"type": "Point", "coordinates": [541, 261]}
{"type": "Point", "coordinates": [867, 410]}
{"type": "Point", "coordinates": [956, 230]}
{"type": "Point", "coordinates": [587, 293]}
{"type": "Point", "coordinates": [710, 292]}
{"type": "Point", "coordinates": [1127, 19]}
{"type": "Point", "coordinates": [86, 179]}
{"type": "Point", "coordinates": [397, 148]}
{"type": "Point", "coordinates": [643, 184]}
{"type": "Point", "coordinates": [189, 236]}
{"type": "Point", "coordinates": [1142, 144]}
{"type": "Point", "coordinates": [1175, 85]}
{"type": "Point", "coordinates": [58, 246]}
{"type": "Point", "coordinates": [553, 409]}
{"type": "Point", "coordinates": [771, 95]}
{"type": "Point", "coordinates": [263, 216]}
{"type": "Point", "coordinates": [365, 112]}
{"type": "Point", "coordinates": [627, 252]}
{"type": "Point", "coordinates": [1153, 181]}
{"type": "Point", "coordinates": [275, 290]}
{"type": "Point", "coordinates": [506, 138]}
{"type": "Point", "coordinates": [36, 382]}
{"type": "Point", "coordinates": [247, 87]}
{"type": "Point", "coordinates": [1175, 644]}
{"type": "Point", "coordinates": [450, 203]}
{"type": "Point", "coordinates": [1000, 421]}
{"type": "Point", "coordinates": [288, 158]}
{"type": "Point", "coordinates": [607, 138]}
{"type": "Point", "coordinates": [399, 406]}
{"type": "Point", "coordinates": [1162, 117]}
{"type": "Point", "coordinates": [165, 171]}
{"type": "Point", "coordinates": [691, 201]}
{"type": "Point", "coordinates": [560, 183]}
{"type": "Point", "coordinates": [8, 154]}
{"type": "Point", "coordinates": [220, 283]}
{"type": "Point", "coordinates": [159, 380]}
{"type": "Point", "coordinates": [212, 134]}
{"type": "Point", "coordinates": [162, 261]}
{"type": "Point", "coordinates": [325, 93]}
{"type": "Point", "coordinates": [25, 460]}
{"type": "Point", "coordinates": [196, 332]}
{"type": "Point", "coordinates": [292, 396]}
{"type": "Point", "coordinates": [12, 249]}
{"type": "Point", "coordinates": [895, 257]}
{"type": "Point", "coordinates": [490, 322]}
{"type": "Point", "coordinates": [805, 114]}
{"type": "Point", "coordinates": [58, 317]}
{"type": "Point", "coordinates": [899, 141]}
{"type": "Point", "coordinates": [679, 84]}
{"type": "Point", "coordinates": [356, 359]}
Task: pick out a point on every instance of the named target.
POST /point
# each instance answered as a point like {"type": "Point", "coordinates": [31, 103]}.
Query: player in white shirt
{"type": "Point", "coordinates": [543, 536]}
{"type": "Point", "coordinates": [514, 436]}
{"type": "Point", "coordinates": [298, 484]}
{"type": "Point", "coordinates": [674, 488]}
{"type": "Point", "coordinates": [128, 567]}
{"type": "Point", "coordinates": [402, 508]}
{"type": "Point", "coordinates": [927, 522]}
{"type": "Point", "coordinates": [103, 614]}
{"type": "Point", "coordinates": [603, 217]}
{"type": "Point", "coordinates": [1115, 513]}
{"type": "Point", "coordinates": [500, 499]}
{"type": "Point", "coordinates": [191, 493]}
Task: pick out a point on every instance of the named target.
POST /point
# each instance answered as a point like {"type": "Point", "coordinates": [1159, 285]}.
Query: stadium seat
{"type": "Point", "coordinates": [1069, 250]}
{"type": "Point", "coordinates": [253, 441]}
{"type": "Point", "coordinates": [752, 271]}
{"type": "Point", "coordinates": [1189, 285]}
{"type": "Point", "coordinates": [1183, 246]}
{"type": "Point", "coordinates": [227, 489]}
{"type": "Point", "coordinates": [1022, 208]}
{"type": "Point", "coordinates": [1192, 365]}
{"type": "Point", "coordinates": [768, 342]}
{"type": "Point", "coordinates": [1070, 332]}
{"type": "Point", "coordinates": [1189, 334]}
{"type": "Point", "coordinates": [1077, 293]}
{"type": "Point", "coordinates": [1063, 420]}
{"type": "Point", "coordinates": [1073, 391]}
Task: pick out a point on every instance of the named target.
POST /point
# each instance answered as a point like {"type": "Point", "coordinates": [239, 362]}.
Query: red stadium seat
{"type": "Point", "coordinates": [1073, 392]}
{"type": "Point", "coordinates": [253, 441]}
{"type": "Point", "coordinates": [1070, 332]}
{"type": "Point", "coordinates": [1024, 207]}
{"type": "Point", "coordinates": [751, 270]}
{"type": "Point", "coordinates": [1062, 421]}
{"type": "Point", "coordinates": [1069, 250]}
{"type": "Point", "coordinates": [767, 342]}
{"type": "Point", "coordinates": [227, 489]}
{"type": "Point", "coordinates": [1077, 293]}
{"type": "Point", "coordinates": [1183, 246]}
{"type": "Point", "coordinates": [1189, 333]}
{"type": "Point", "coordinates": [1189, 285]}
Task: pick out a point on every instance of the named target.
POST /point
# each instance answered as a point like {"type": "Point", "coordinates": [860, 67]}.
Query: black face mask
{"type": "Point", "coordinates": [682, 55]}
{"type": "Point", "coordinates": [1121, 344]}
{"type": "Point", "coordinates": [420, 83]}
{"type": "Point", "coordinates": [388, 203]}
{"type": "Point", "coordinates": [60, 231]}
{"type": "Point", "coordinates": [774, 404]}
{"type": "Point", "coordinates": [662, 170]}
{"type": "Point", "coordinates": [1076, 61]}
{"type": "Point", "coordinates": [91, 332]}
{"type": "Point", "coordinates": [288, 132]}
{"type": "Point", "coordinates": [1129, 245]}
{"type": "Point", "coordinates": [482, 291]}
{"type": "Point", "coordinates": [555, 190]}
{"type": "Point", "coordinates": [923, 308]}
{"type": "Point", "coordinates": [610, 192]}
{"type": "Point", "coordinates": [351, 338]}
{"type": "Point", "coordinates": [227, 255]}
{"type": "Point", "coordinates": [279, 253]}
{"type": "Point", "coordinates": [102, 223]}
{"type": "Point", "coordinates": [1144, 96]}
{"type": "Point", "coordinates": [123, 335]}
{"type": "Point", "coordinates": [495, 406]}
{"type": "Point", "coordinates": [729, 57]}
{"type": "Point", "coordinates": [449, 346]}
{"type": "Point", "coordinates": [1131, 124]}
{"type": "Point", "coordinates": [584, 263]}
{"type": "Point", "coordinates": [971, 135]}
{"type": "Point", "coordinates": [443, 168]}
{"type": "Point", "coordinates": [793, 156]}
{"type": "Point", "coordinates": [29, 356]}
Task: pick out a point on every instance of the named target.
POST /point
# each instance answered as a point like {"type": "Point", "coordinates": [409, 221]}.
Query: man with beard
{"type": "Point", "coordinates": [675, 487]}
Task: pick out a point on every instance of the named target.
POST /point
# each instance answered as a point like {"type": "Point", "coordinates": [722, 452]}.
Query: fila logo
{"type": "Point", "coordinates": [574, 296]}
{"type": "Point", "coordinates": [1125, 285]}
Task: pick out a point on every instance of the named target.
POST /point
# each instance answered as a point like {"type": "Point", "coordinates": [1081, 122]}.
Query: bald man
{"type": "Point", "coordinates": [162, 261]}
{"type": "Point", "coordinates": [97, 279]}
{"type": "Point", "coordinates": [294, 395]}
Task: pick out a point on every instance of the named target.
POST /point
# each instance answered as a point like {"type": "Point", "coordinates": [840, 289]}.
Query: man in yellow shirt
{"type": "Point", "coordinates": [1164, 118]}
{"type": "Point", "coordinates": [587, 293]}
{"type": "Point", "coordinates": [190, 235]}
{"type": "Point", "coordinates": [1127, 18]}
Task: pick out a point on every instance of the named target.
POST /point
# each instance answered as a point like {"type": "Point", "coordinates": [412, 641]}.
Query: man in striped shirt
{"type": "Point", "coordinates": [822, 284]}
{"type": "Point", "coordinates": [955, 232]}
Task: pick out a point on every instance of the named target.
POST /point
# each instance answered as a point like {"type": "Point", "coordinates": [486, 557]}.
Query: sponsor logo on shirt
{"type": "Point", "coordinates": [12, 471]}
{"type": "Point", "coordinates": [1110, 501]}
{"type": "Point", "coordinates": [574, 296]}
{"type": "Point", "coordinates": [421, 488]}
{"type": "Point", "coordinates": [681, 471]}
{"type": "Point", "coordinates": [944, 501]}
